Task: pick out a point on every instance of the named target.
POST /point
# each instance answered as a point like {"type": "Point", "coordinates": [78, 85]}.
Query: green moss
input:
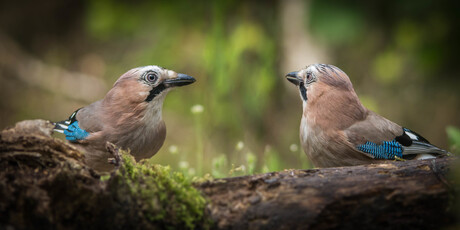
{"type": "Point", "coordinates": [165, 198]}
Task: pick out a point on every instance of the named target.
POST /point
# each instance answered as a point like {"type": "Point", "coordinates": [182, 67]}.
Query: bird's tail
{"type": "Point", "coordinates": [421, 150]}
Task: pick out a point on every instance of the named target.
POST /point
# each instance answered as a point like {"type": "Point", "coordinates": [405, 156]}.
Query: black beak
{"type": "Point", "coordinates": [180, 80]}
{"type": "Point", "coordinates": [293, 78]}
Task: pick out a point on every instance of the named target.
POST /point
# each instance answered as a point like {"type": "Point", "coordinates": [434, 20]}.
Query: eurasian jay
{"type": "Point", "coordinates": [337, 130]}
{"type": "Point", "coordinates": [129, 116]}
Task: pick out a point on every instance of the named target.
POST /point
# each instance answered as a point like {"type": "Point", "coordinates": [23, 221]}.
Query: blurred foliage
{"type": "Point", "coordinates": [336, 22]}
{"type": "Point", "coordinates": [241, 117]}
{"type": "Point", "coordinates": [453, 134]}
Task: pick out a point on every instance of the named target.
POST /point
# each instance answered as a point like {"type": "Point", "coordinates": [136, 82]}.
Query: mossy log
{"type": "Point", "coordinates": [45, 183]}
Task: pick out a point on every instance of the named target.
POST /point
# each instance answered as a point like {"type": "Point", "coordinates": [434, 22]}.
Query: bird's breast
{"type": "Point", "coordinates": [141, 130]}
{"type": "Point", "coordinates": [320, 146]}
{"type": "Point", "coordinates": [145, 140]}
{"type": "Point", "coordinates": [309, 135]}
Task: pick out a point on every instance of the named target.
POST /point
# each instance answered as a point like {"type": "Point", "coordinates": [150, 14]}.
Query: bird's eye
{"type": "Point", "coordinates": [309, 77]}
{"type": "Point", "coordinates": [151, 77]}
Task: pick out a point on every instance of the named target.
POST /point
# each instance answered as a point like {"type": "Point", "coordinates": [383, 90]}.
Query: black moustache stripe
{"type": "Point", "coordinates": [154, 92]}
{"type": "Point", "coordinates": [303, 91]}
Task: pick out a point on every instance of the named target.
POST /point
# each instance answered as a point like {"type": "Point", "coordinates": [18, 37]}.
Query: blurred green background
{"type": "Point", "coordinates": [241, 116]}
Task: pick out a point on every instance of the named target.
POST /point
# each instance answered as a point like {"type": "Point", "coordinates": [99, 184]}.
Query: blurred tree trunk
{"type": "Point", "coordinates": [299, 48]}
{"type": "Point", "coordinates": [44, 183]}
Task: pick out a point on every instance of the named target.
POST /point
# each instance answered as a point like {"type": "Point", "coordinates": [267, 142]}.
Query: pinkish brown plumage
{"type": "Point", "coordinates": [337, 130]}
{"type": "Point", "coordinates": [128, 116]}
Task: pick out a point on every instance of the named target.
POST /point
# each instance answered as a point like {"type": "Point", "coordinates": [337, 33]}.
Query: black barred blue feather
{"type": "Point", "coordinates": [71, 129]}
{"type": "Point", "coordinates": [387, 150]}
{"type": "Point", "coordinates": [75, 133]}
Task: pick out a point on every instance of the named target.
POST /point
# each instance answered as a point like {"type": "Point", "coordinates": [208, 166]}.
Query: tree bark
{"type": "Point", "coordinates": [394, 195]}
{"type": "Point", "coordinates": [45, 183]}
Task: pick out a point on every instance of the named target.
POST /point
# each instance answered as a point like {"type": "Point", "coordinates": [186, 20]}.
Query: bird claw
{"type": "Point", "coordinates": [115, 151]}
{"type": "Point", "coordinates": [399, 159]}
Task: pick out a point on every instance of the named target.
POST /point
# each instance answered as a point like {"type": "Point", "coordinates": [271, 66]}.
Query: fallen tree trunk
{"type": "Point", "coordinates": [412, 194]}
{"type": "Point", "coordinates": [45, 183]}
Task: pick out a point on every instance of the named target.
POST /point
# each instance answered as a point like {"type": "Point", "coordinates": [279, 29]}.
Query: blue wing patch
{"type": "Point", "coordinates": [387, 150]}
{"type": "Point", "coordinates": [74, 133]}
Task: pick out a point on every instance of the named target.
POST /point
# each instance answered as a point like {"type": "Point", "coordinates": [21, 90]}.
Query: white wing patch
{"type": "Point", "coordinates": [59, 131]}
{"type": "Point", "coordinates": [411, 135]}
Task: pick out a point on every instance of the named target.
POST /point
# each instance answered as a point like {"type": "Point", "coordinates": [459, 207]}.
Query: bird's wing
{"type": "Point", "coordinates": [71, 128]}
{"type": "Point", "coordinates": [89, 117]}
{"type": "Point", "coordinates": [381, 138]}
{"type": "Point", "coordinates": [80, 124]}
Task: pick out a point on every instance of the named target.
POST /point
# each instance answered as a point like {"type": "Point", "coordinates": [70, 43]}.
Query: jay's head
{"type": "Point", "coordinates": [147, 84]}
{"type": "Point", "coordinates": [318, 79]}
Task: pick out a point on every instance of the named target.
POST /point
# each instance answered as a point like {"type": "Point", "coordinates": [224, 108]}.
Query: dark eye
{"type": "Point", "coordinates": [151, 77]}
{"type": "Point", "coordinates": [309, 77]}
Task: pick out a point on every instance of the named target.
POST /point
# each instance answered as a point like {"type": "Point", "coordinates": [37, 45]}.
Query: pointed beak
{"type": "Point", "coordinates": [293, 78]}
{"type": "Point", "coordinates": [180, 80]}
